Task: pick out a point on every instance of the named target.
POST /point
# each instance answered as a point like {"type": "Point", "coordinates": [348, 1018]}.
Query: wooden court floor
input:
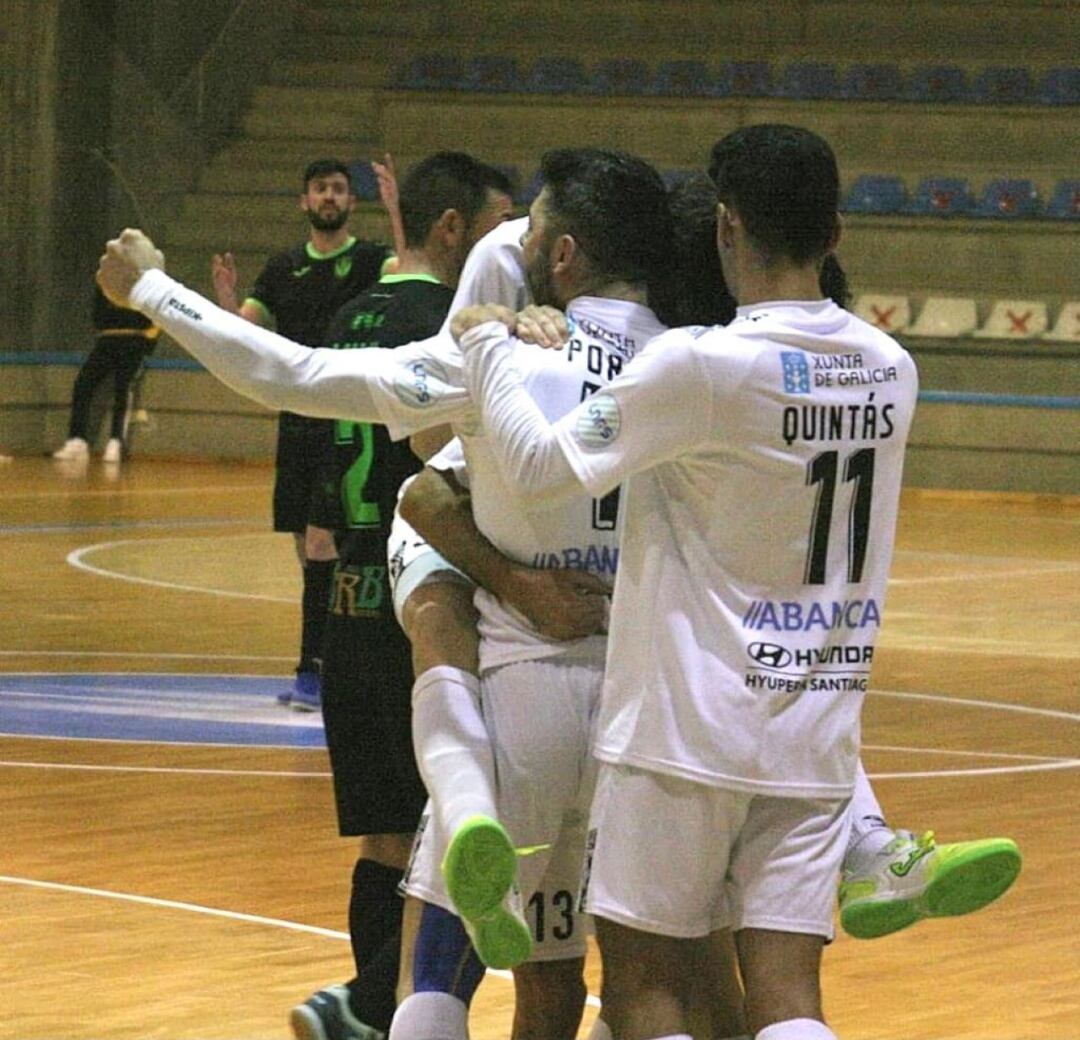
{"type": "Point", "coordinates": [183, 891]}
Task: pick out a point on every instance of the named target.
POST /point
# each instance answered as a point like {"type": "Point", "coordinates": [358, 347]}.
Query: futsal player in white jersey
{"type": "Point", "coordinates": [275, 371]}
{"type": "Point", "coordinates": [764, 464]}
{"type": "Point", "coordinates": [599, 233]}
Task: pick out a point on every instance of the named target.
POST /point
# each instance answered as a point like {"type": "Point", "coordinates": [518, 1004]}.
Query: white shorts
{"type": "Point", "coordinates": [684, 859]}
{"type": "Point", "coordinates": [540, 717]}
{"type": "Point", "coordinates": [411, 562]}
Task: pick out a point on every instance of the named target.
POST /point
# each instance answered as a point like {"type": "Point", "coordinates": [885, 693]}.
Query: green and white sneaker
{"type": "Point", "coordinates": [480, 870]}
{"type": "Point", "coordinates": [912, 878]}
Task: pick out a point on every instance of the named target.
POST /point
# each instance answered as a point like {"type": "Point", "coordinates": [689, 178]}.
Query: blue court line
{"type": "Point", "coordinates": [152, 706]}
{"type": "Point", "coordinates": [59, 357]}
{"type": "Point", "coordinates": [997, 400]}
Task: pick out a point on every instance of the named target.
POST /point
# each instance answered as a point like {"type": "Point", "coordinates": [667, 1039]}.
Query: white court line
{"type": "Point", "coordinates": [968, 702]}
{"type": "Point", "coordinates": [145, 655]}
{"type": "Point", "coordinates": [75, 559]}
{"type": "Point", "coordinates": [963, 754]}
{"type": "Point", "coordinates": [165, 743]}
{"type": "Point", "coordinates": [169, 904]}
{"type": "Point", "coordinates": [1069, 763]}
{"type": "Point", "coordinates": [78, 767]}
{"type": "Point", "coordinates": [1063, 567]}
{"type": "Point", "coordinates": [195, 908]}
{"type": "Point", "coordinates": [993, 647]}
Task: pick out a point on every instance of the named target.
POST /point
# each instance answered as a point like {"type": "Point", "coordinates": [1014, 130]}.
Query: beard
{"type": "Point", "coordinates": [330, 221]}
{"type": "Point", "coordinates": [538, 278]}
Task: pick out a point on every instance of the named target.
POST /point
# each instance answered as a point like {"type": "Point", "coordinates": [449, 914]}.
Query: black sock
{"type": "Point", "coordinates": [318, 581]}
{"type": "Point", "coordinates": [374, 909]}
{"type": "Point", "coordinates": [372, 994]}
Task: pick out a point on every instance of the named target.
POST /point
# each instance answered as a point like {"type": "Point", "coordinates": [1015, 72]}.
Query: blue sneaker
{"type": "Point", "coordinates": [326, 1015]}
{"type": "Point", "coordinates": [306, 694]}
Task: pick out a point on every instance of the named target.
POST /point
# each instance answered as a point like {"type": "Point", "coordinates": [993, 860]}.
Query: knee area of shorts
{"type": "Point", "coordinates": [438, 603]}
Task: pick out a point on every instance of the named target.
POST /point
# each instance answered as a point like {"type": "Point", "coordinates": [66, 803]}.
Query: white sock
{"type": "Point", "coordinates": [796, 1029]}
{"type": "Point", "coordinates": [600, 1031]}
{"type": "Point", "coordinates": [867, 817]}
{"type": "Point", "coordinates": [453, 749]}
{"type": "Point", "coordinates": [430, 1016]}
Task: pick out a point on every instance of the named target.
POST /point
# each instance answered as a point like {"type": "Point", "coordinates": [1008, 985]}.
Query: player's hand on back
{"type": "Point", "coordinates": [480, 314]}
{"type": "Point", "coordinates": [542, 325]}
{"type": "Point", "coordinates": [124, 262]}
{"type": "Point", "coordinates": [560, 604]}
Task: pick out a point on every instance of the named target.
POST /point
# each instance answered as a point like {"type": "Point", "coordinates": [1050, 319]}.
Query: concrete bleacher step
{"type": "Point", "coordinates": [295, 111]}
{"type": "Point", "coordinates": [922, 31]}
{"type": "Point", "coordinates": [365, 71]}
{"type": "Point", "coordinates": [256, 223]}
{"type": "Point", "coordinates": [276, 165]}
{"type": "Point", "coordinates": [919, 140]}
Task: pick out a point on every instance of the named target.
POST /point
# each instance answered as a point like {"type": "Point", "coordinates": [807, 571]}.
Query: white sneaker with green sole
{"type": "Point", "coordinates": [914, 878]}
{"type": "Point", "coordinates": [480, 870]}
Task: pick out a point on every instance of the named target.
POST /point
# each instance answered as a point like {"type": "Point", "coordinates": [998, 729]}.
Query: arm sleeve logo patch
{"type": "Point", "coordinates": [420, 383]}
{"type": "Point", "coordinates": [599, 422]}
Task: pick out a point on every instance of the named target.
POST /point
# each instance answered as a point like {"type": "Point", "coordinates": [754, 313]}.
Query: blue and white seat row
{"type": "Point", "coordinates": [806, 80]}
{"type": "Point", "coordinates": [1008, 198]}
{"type": "Point", "coordinates": [952, 317]}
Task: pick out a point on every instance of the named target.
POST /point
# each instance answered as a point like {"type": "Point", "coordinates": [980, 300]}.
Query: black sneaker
{"type": "Point", "coordinates": [326, 1016]}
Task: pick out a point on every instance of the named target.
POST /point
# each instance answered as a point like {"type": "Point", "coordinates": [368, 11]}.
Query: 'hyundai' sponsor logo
{"type": "Point", "coordinates": [769, 654]}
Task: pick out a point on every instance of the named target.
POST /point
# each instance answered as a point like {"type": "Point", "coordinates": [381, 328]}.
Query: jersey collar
{"type": "Point", "coordinates": [314, 254]}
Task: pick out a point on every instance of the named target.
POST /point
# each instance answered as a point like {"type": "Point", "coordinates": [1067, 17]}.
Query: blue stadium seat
{"type": "Point", "coordinates": [745, 79]}
{"type": "Point", "coordinates": [876, 193]}
{"type": "Point", "coordinates": [365, 184]}
{"type": "Point", "coordinates": [433, 72]}
{"type": "Point", "coordinates": [1060, 87]}
{"type": "Point", "coordinates": [1064, 204]}
{"type": "Point", "coordinates": [620, 76]}
{"type": "Point", "coordinates": [938, 83]}
{"type": "Point", "coordinates": [1003, 86]}
{"type": "Point", "coordinates": [556, 76]}
{"type": "Point", "coordinates": [1008, 199]}
{"type": "Point", "coordinates": [682, 79]}
{"type": "Point", "coordinates": [492, 74]}
{"type": "Point", "coordinates": [942, 197]}
{"type": "Point", "coordinates": [808, 81]}
{"type": "Point", "coordinates": [872, 83]}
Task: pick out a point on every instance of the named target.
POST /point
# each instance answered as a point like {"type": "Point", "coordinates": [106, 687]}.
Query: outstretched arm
{"type": "Point", "coordinates": [402, 388]}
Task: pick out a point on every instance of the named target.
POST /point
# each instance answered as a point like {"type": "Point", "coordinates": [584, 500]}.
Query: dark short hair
{"type": "Point", "coordinates": [325, 167]}
{"type": "Point", "coordinates": [697, 293]}
{"type": "Point", "coordinates": [834, 281]}
{"type": "Point", "coordinates": [615, 206]}
{"type": "Point", "coordinates": [784, 184]}
{"type": "Point", "coordinates": [446, 180]}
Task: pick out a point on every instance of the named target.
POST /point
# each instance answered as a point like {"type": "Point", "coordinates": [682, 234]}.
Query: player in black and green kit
{"type": "Point", "coordinates": [447, 202]}
{"type": "Point", "coordinates": [298, 292]}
